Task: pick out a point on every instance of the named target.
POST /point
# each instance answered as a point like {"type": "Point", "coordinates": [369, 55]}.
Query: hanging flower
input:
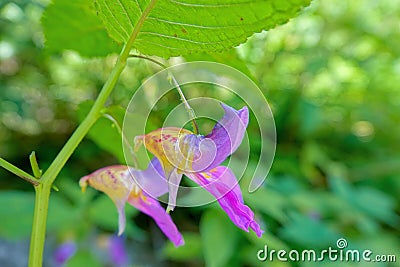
{"type": "Point", "coordinates": [199, 157]}
{"type": "Point", "coordinates": [118, 182]}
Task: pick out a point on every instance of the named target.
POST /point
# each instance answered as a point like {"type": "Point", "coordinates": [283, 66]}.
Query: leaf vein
{"type": "Point", "coordinates": [116, 20]}
{"type": "Point", "coordinates": [209, 5]}
{"type": "Point", "coordinates": [126, 12]}
{"type": "Point", "coordinates": [140, 8]}
{"type": "Point", "coordinates": [197, 26]}
{"type": "Point", "coordinates": [176, 38]}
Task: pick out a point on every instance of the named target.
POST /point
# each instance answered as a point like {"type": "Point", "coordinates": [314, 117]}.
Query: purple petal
{"type": "Point", "coordinates": [152, 208]}
{"type": "Point", "coordinates": [201, 152]}
{"type": "Point", "coordinates": [152, 180]}
{"type": "Point", "coordinates": [228, 133]}
{"type": "Point", "coordinates": [222, 184]}
{"type": "Point", "coordinates": [209, 151]}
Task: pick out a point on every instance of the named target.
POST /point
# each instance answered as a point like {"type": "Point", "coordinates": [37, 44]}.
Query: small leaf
{"type": "Point", "coordinates": [74, 25]}
{"type": "Point", "coordinates": [174, 28]}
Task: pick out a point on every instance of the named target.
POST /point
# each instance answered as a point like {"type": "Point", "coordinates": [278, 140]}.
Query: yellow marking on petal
{"type": "Point", "coordinates": [144, 198]}
{"type": "Point", "coordinates": [137, 193]}
{"type": "Point", "coordinates": [206, 175]}
{"type": "Point", "coordinates": [163, 144]}
{"type": "Point", "coordinates": [113, 181]}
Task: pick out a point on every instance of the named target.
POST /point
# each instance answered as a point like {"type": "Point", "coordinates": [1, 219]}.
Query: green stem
{"type": "Point", "coordinates": [43, 190]}
{"type": "Point", "coordinates": [39, 225]}
{"type": "Point", "coordinates": [17, 171]}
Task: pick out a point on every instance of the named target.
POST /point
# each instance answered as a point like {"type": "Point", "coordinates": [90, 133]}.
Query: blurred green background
{"type": "Point", "coordinates": [332, 78]}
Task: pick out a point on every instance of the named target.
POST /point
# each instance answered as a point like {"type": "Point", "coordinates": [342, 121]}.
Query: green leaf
{"type": "Point", "coordinates": [219, 238]}
{"type": "Point", "coordinates": [74, 25]}
{"type": "Point", "coordinates": [174, 28]}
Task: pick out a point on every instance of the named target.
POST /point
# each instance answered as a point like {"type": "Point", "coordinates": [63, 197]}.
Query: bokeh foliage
{"type": "Point", "coordinates": [331, 76]}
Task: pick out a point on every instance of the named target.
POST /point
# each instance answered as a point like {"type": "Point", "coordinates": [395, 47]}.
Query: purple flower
{"type": "Point", "coordinates": [198, 157]}
{"type": "Point", "coordinates": [117, 251]}
{"type": "Point", "coordinates": [119, 184]}
{"type": "Point", "coordinates": [64, 252]}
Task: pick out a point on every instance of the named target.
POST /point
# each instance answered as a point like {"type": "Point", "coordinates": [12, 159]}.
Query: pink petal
{"type": "Point", "coordinates": [222, 184]}
{"type": "Point", "coordinates": [152, 208]}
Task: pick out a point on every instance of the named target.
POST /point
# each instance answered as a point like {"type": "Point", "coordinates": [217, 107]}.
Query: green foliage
{"type": "Point", "coordinates": [74, 25]}
{"type": "Point", "coordinates": [219, 238]}
{"type": "Point", "coordinates": [330, 76]}
{"type": "Point", "coordinates": [361, 197]}
{"type": "Point", "coordinates": [301, 227]}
